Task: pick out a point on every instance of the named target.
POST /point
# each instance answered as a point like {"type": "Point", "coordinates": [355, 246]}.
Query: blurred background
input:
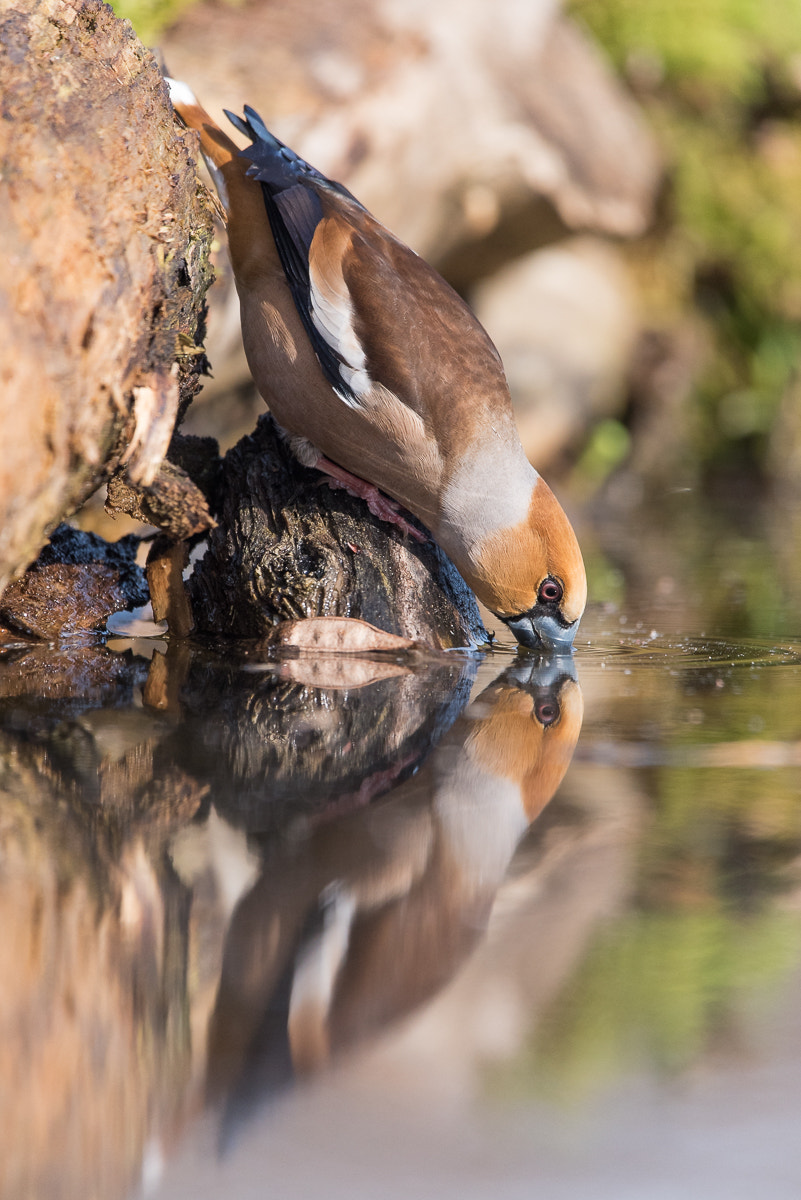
{"type": "Point", "coordinates": [613, 185]}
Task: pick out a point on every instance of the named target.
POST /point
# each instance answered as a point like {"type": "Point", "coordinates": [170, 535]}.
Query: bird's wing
{"type": "Point", "coordinates": [378, 314]}
{"type": "Point", "coordinates": [296, 217]}
{"type": "Point", "coordinates": [294, 194]}
{"type": "Point", "coordinates": [374, 311]}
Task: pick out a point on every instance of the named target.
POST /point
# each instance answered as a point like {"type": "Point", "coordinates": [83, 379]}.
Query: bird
{"type": "Point", "coordinates": [381, 376]}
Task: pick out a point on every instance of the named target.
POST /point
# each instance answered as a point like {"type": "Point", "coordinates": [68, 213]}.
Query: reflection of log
{"type": "Point", "coordinates": [99, 977]}
{"type": "Point", "coordinates": [104, 240]}
{"type": "Point", "coordinates": [282, 744]}
{"type": "Point", "coordinates": [379, 908]}
{"type": "Point", "coordinates": [287, 546]}
{"type": "Point", "coordinates": [105, 960]}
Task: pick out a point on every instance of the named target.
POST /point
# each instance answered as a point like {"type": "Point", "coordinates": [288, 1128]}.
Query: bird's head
{"type": "Point", "coordinates": [532, 576]}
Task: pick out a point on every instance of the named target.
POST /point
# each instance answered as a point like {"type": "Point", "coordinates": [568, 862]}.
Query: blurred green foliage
{"type": "Point", "coordinates": [150, 17]}
{"type": "Point", "coordinates": [721, 85]}
{"type": "Point", "coordinates": [606, 448]}
{"type": "Point", "coordinates": [706, 939]}
{"type": "Point", "coordinates": [656, 987]}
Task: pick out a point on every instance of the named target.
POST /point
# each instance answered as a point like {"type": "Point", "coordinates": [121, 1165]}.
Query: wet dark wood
{"type": "Point", "coordinates": [286, 547]}
{"type": "Point", "coordinates": [76, 582]}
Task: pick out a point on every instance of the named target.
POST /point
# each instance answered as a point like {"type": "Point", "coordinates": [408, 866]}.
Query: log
{"type": "Point", "coordinates": [287, 547]}
{"type": "Point", "coordinates": [104, 236]}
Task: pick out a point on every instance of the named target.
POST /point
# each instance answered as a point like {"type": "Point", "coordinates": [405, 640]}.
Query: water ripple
{"type": "Point", "coordinates": [653, 649]}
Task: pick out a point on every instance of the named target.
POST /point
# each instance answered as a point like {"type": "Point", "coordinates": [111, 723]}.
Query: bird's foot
{"type": "Point", "coordinates": [380, 505]}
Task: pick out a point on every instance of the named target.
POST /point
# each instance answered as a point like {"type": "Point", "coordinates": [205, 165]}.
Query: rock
{"type": "Point", "coordinates": [76, 582]}
{"type": "Point", "coordinates": [564, 320]}
{"type": "Point", "coordinates": [104, 238]}
{"type": "Point", "coordinates": [338, 635]}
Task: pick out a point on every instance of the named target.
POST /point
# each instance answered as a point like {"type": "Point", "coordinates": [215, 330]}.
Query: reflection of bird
{"type": "Point", "coordinates": [384, 378]}
{"type": "Point", "coordinates": [373, 913]}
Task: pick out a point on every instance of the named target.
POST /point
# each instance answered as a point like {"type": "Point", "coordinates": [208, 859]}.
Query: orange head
{"type": "Point", "coordinates": [531, 575]}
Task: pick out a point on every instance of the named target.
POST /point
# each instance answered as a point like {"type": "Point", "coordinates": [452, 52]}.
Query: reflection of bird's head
{"type": "Point", "coordinates": [531, 728]}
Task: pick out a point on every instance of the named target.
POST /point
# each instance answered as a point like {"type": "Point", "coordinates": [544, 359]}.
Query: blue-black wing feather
{"type": "Point", "coordinates": [291, 187]}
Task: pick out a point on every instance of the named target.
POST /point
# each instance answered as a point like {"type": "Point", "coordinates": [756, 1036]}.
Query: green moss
{"type": "Point", "coordinates": [718, 48]}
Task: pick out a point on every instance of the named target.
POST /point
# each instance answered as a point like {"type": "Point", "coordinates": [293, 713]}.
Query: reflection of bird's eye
{"type": "Point", "coordinates": [546, 710]}
{"type": "Point", "coordinates": [550, 592]}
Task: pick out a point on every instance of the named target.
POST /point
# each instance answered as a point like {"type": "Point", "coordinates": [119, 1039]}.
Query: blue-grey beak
{"type": "Point", "coordinates": [544, 632]}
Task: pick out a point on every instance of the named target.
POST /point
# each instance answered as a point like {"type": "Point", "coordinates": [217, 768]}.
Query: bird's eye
{"type": "Point", "coordinates": [546, 710]}
{"type": "Point", "coordinates": [551, 591]}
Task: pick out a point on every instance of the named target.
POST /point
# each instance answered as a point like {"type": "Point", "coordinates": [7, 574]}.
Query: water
{"type": "Point", "coordinates": [478, 926]}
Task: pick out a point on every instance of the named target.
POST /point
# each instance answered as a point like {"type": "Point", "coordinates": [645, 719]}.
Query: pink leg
{"type": "Point", "coordinates": [380, 505]}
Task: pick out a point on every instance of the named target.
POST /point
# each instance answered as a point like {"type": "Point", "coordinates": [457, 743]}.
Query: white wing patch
{"type": "Point", "coordinates": [332, 314]}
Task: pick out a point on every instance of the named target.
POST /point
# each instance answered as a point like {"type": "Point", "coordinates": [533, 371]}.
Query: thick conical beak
{"type": "Point", "coordinates": [543, 632]}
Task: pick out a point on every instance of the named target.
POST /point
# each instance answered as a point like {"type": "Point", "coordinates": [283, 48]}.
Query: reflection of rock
{"type": "Point", "coordinates": [356, 924]}
{"type": "Point", "coordinates": [563, 320]}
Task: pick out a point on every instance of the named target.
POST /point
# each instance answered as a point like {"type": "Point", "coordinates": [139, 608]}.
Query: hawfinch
{"type": "Point", "coordinates": [383, 378]}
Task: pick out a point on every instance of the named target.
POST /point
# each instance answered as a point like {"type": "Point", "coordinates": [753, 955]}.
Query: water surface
{"type": "Point", "coordinates": [470, 926]}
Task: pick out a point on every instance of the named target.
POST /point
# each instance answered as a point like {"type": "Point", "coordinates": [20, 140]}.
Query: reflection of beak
{"type": "Point", "coordinates": [542, 672]}
{"type": "Point", "coordinates": [530, 731]}
{"type": "Point", "coordinates": [542, 631]}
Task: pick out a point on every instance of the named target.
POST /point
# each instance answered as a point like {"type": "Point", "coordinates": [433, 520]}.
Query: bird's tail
{"type": "Point", "coordinates": [272, 161]}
